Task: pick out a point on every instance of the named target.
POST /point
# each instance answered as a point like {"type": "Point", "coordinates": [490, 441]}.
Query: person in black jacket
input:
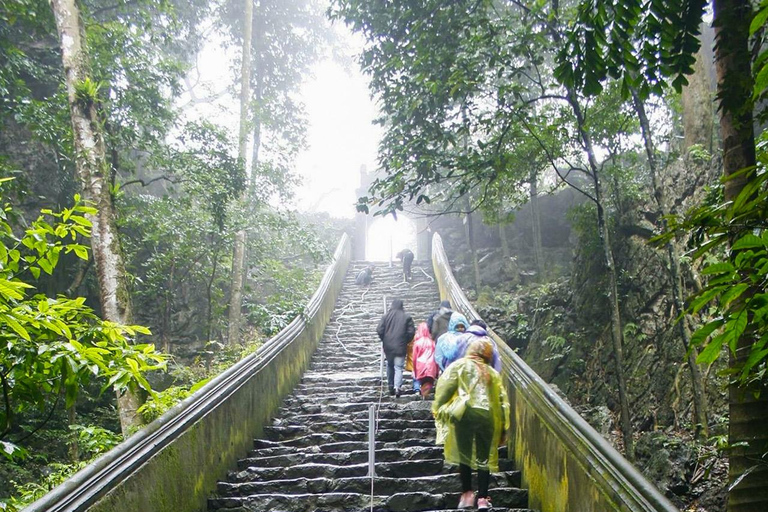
{"type": "Point", "coordinates": [439, 320]}
{"type": "Point", "coordinates": [406, 256]}
{"type": "Point", "coordinates": [365, 276]}
{"type": "Point", "coordinates": [395, 330]}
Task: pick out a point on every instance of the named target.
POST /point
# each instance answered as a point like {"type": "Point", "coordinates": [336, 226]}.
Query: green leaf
{"type": "Point", "coordinates": [134, 365]}
{"type": "Point", "coordinates": [81, 220]}
{"type": "Point", "coordinates": [199, 385]}
{"type": "Point", "coordinates": [704, 332]}
{"type": "Point", "coordinates": [711, 352]}
{"type": "Point", "coordinates": [12, 288]}
{"type": "Point", "coordinates": [718, 268]}
{"type": "Point", "coordinates": [748, 241]}
{"type": "Point", "coordinates": [755, 357]}
{"type": "Point", "coordinates": [45, 266]}
{"type": "Point", "coordinates": [81, 252]}
{"type": "Point", "coordinates": [732, 294]}
{"type": "Point", "coordinates": [16, 326]}
{"type": "Point", "coordinates": [141, 329]}
{"type": "Point", "coordinates": [736, 328]}
{"type": "Point", "coordinates": [759, 20]}
{"type": "Point", "coordinates": [704, 298]}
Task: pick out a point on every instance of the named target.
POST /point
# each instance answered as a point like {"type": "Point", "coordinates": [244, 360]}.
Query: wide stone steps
{"type": "Point", "coordinates": [504, 499]}
{"type": "Point", "coordinates": [356, 484]}
{"type": "Point", "coordinates": [314, 456]}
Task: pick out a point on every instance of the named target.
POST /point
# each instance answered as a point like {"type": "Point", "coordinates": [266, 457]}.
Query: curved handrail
{"type": "Point", "coordinates": [90, 484]}
{"type": "Point", "coordinates": [620, 483]}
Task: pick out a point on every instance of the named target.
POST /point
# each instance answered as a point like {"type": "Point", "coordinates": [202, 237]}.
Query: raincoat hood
{"type": "Point", "coordinates": [422, 331]}
{"type": "Point", "coordinates": [481, 348]}
{"type": "Point", "coordinates": [477, 330]}
{"type": "Point", "coordinates": [396, 304]}
{"type": "Point", "coordinates": [456, 319]}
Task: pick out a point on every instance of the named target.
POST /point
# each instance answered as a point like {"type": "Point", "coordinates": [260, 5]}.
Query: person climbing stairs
{"type": "Point", "coordinates": [314, 457]}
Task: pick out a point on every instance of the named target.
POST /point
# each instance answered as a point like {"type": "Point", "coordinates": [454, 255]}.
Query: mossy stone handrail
{"type": "Point", "coordinates": [173, 464]}
{"type": "Point", "coordinates": [566, 464]}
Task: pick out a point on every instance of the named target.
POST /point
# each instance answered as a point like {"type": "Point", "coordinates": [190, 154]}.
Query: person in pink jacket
{"type": "Point", "coordinates": [425, 368]}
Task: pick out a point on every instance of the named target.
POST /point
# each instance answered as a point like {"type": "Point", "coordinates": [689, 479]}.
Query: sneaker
{"type": "Point", "coordinates": [484, 503]}
{"type": "Point", "coordinates": [467, 500]}
{"type": "Point", "coordinates": [391, 391]}
{"type": "Point", "coordinates": [397, 393]}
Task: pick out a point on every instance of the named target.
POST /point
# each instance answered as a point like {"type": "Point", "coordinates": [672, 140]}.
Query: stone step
{"type": "Point", "coordinates": [344, 501]}
{"type": "Point", "coordinates": [387, 435]}
{"type": "Point", "coordinates": [345, 457]}
{"type": "Point", "coordinates": [397, 469]}
{"type": "Point", "coordinates": [331, 444]}
{"type": "Point", "coordinates": [354, 453]}
{"type": "Point", "coordinates": [292, 431]}
{"type": "Point", "coordinates": [385, 402]}
{"type": "Point", "coordinates": [288, 416]}
{"type": "Point", "coordinates": [265, 448]}
{"type": "Point", "coordinates": [436, 484]}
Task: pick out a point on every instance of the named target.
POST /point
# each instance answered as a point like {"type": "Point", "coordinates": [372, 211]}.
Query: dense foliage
{"type": "Point", "coordinates": [173, 180]}
{"type": "Point", "coordinates": [54, 346]}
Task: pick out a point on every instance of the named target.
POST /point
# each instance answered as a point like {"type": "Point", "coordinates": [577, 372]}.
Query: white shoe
{"type": "Point", "coordinates": [467, 500]}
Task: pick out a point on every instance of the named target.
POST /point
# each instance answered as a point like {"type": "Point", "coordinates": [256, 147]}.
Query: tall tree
{"type": "Point", "coordinates": [238, 257]}
{"type": "Point", "coordinates": [283, 39]}
{"type": "Point", "coordinates": [748, 405]}
{"type": "Point", "coordinates": [94, 173]}
{"type": "Point", "coordinates": [735, 284]}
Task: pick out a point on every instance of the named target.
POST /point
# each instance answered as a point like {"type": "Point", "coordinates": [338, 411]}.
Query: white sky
{"type": "Point", "coordinates": [341, 139]}
{"type": "Point", "coordinates": [340, 132]}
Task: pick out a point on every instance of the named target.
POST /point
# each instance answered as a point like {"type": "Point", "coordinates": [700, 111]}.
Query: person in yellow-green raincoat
{"type": "Point", "coordinates": [473, 441]}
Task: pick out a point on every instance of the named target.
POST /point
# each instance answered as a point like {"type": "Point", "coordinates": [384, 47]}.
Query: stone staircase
{"type": "Point", "coordinates": [315, 455]}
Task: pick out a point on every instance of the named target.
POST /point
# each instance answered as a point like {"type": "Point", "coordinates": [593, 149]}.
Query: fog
{"type": "Point", "coordinates": [341, 136]}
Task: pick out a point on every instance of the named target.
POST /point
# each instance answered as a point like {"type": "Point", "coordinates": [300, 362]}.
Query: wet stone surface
{"type": "Point", "coordinates": [314, 457]}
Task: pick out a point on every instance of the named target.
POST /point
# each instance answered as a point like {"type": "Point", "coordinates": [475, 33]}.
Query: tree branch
{"type": "Point", "coordinates": [8, 411]}
{"type": "Point", "coordinates": [108, 8]}
{"type": "Point", "coordinates": [44, 422]}
{"type": "Point", "coordinates": [148, 183]}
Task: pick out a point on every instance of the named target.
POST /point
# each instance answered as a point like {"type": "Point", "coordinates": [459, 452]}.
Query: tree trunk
{"type": "Point", "coordinates": [747, 434]}
{"type": "Point", "coordinates": [613, 296]}
{"type": "Point", "coordinates": [538, 252]}
{"type": "Point", "coordinates": [469, 232]}
{"type": "Point", "coordinates": [168, 310]}
{"type": "Point", "coordinates": [94, 173]}
{"type": "Point", "coordinates": [238, 256]}
{"type": "Point", "coordinates": [503, 234]}
{"type": "Point", "coordinates": [696, 98]}
{"type": "Point", "coordinates": [676, 280]}
{"type": "Point", "coordinates": [209, 288]}
{"type": "Point", "coordinates": [74, 449]}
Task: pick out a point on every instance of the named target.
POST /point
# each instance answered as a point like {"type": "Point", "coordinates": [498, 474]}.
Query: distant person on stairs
{"type": "Point", "coordinates": [472, 441]}
{"type": "Point", "coordinates": [395, 331]}
{"type": "Point", "coordinates": [438, 321]}
{"type": "Point", "coordinates": [425, 368]}
{"type": "Point", "coordinates": [365, 276]}
{"type": "Point", "coordinates": [406, 256]}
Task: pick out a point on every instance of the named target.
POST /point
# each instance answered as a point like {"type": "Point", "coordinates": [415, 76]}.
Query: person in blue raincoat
{"type": "Point", "coordinates": [445, 348]}
{"type": "Point", "coordinates": [478, 329]}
